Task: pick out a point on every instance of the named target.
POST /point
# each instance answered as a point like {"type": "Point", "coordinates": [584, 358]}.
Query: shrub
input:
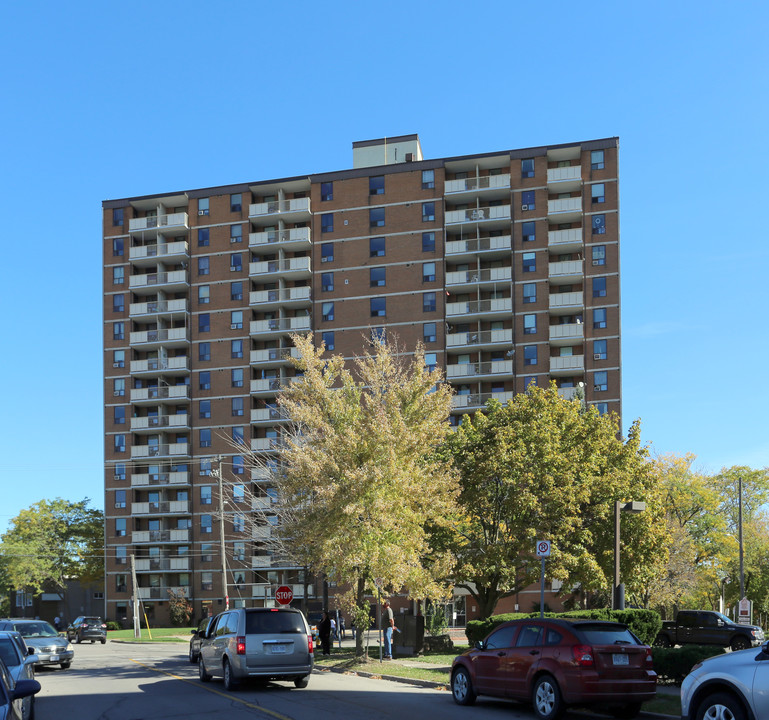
{"type": "Point", "coordinates": [112, 625]}
{"type": "Point", "coordinates": [674, 664]}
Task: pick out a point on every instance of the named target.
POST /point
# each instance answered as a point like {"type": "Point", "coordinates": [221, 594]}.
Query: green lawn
{"type": "Point", "coordinates": [175, 634]}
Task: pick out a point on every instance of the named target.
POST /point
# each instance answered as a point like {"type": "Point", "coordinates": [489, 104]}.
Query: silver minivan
{"type": "Point", "coordinates": [265, 643]}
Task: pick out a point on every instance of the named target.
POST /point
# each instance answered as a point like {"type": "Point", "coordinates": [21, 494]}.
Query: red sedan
{"type": "Point", "coordinates": [557, 663]}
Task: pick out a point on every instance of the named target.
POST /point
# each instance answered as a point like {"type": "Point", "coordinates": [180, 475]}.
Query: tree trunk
{"type": "Point", "coordinates": [360, 628]}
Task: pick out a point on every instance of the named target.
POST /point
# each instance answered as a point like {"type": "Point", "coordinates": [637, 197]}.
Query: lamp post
{"type": "Point", "coordinates": [618, 590]}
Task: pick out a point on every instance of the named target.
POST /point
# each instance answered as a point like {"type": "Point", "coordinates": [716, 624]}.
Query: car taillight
{"type": "Point", "coordinates": [309, 644]}
{"type": "Point", "coordinates": [649, 658]}
{"type": "Point", "coordinates": [583, 655]}
{"type": "Point", "coordinates": [84, 625]}
{"type": "Point", "coordinates": [241, 644]}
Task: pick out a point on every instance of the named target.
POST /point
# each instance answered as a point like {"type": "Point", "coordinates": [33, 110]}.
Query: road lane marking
{"type": "Point", "coordinates": [200, 685]}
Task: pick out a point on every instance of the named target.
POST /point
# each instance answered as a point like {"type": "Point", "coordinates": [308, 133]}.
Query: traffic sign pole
{"type": "Point", "coordinates": [543, 551]}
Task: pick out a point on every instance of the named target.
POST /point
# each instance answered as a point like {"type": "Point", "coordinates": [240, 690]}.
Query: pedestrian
{"type": "Point", "coordinates": [333, 628]}
{"type": "Point", "coordinates": [341, 627]}
{"type": "Point", "coordinates": [57, 623]}
{"type": "Point", "coordinates": [389, 622]}
{"type": "Point", "coordinates": [324, 633]}
{"type": "Point", "coordinates": [352, 627]}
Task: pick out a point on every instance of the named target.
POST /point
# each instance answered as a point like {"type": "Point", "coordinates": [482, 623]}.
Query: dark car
{"type": "Point", "coordinates": [12, 691]}
{"type": "Point", "coordinates": [20, 662]}
{"type": "Point", "coordinates": [195, 639]}
{"type": "Point", "coordinates": [87, 627]}
{"type": "Point", "coordinates": [556, 663]}
{"type": "Point", "coordinates": [50, 647]}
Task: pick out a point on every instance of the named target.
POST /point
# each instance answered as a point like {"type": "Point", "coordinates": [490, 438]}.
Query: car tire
{"type": "Point", "coordinates": [32, 709]}
{"type": "Point", "coordinates": [230, 683]}
{"type": "Point", "coordinates": [193, 656]}
{"type": "Point", "coordinates": [103, 641]}
{"type": "Point", "coordinates": [662, 641]}
{"type": "Point", "coordinates": [720, 706]}
{"type": "Point", "coordinates": [202, 674]}
{"type": "Point", "coordinates": [740, 643]}
{"type": "Point", "coordinates": [462, 687]}
{"type": "Point", "coordinates": [546, 698]}
{"type": "Point", "coordinates": [301, 682]}
{"type": "Point", "coordinates": [93, 641]}
{"type": "Point", "coordinates": [76, 640]}
{"type": "Point", "coordinates": [65, 665]}
{"type": "Point", "coordinates": [627, 712]}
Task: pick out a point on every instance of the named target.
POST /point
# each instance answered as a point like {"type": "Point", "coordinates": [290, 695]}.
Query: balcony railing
{"type": "Point", "coordinates": [172, 220]}
{"type": "Point", "coordinates": [479, 307]}
{"type": "Point", "coordinates": [284, 238]}
{"type": "Point", "coordinates": [273, 356]}
{"type": "Point", "coordinates": [261, 532]}
{"type": "Point", "coordinates": [473, 370]}
{"type": "Point", "coordinates": [160, 536]}
{"type": "Point", "coordinates": [266, 591]}
{"type": "Point", "coordinates": [564, 174]}
{"type": "Point", "coordinates": [154, 365]}
{"type": "Point", "coordinates": [476, 215]}
{"type": "Point", "coordinates": [159, 250]}
{"type": "Point", "coordinates": [263, 415]}
{"type": "Point", "coordinates": [162, 564]}
{"type": "Point", "coordinates": [566, 301]}
{"type": "Point", "coordinates": [270, 444]}
{"type": "Point", "coordinates": [159, 336]}
{"type": "Point", "coordinates": [478, 245]}
{"type": "Point", "coordinates": [271, 385]}
{"type": "Point", "coordinates": [485, 182]}
{"type": "Point", "coordinates": [161, 392]}
{"type": "Point", "coordinates": [163, 507]}
{"type": "Point", "coordinates": [478, 400]}
{"type": "Point", "coordinates": [479, 338]}
{"type": "Point", "coordinates": [567, 332]}
{"type": "Point", "coordinates": [280, 325]}
{"type": "Point", "coordinates": [565, 268]}
{"type": "Point", "coordinates": [161, 450]}
{"type": "Point", "coordinates": [487, 275]}
{"type": "Point", "coordinates": [279, 207]}
{"type": "Point", "coordinates": [160, 479]}
{"type": "Point", "coordinates": [565, 239]}
{"type": "Point", "coordinates": [287, 296]}
{"type": "Point", "coordinates": [160, 421]}
{"type": "Point", "coordinates": [568, 363]}
{"type": "Point", "coordinates": [162, 593]}
{"type": "Point", "coordinates": [158, 307]}
{"type": "Point", "coordinates": [560, 206]}
{"type": "Point", "coordinates": [158, 279]}
{"type": "Point", "coordinates": [297, 266]}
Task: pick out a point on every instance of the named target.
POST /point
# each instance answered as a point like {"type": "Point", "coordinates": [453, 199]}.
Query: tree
{"type": "Point", "coordinates": [179, 608]}
{"type": "Point", "coordinates": [53, 541]}
{"type": "Point", "coordinates": [542, 467]}
{"type": "Point", "coordinates": [359, 475]}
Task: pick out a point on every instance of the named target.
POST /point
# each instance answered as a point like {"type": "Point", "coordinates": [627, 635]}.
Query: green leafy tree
{"type": "Point", "coordinates": [179, 607]}
{"type": "Point", "coordinates": [359, 474]}
{"type": "Point", "coordinates": [51, 542]}
{"type": "Point", "coordinates": [542, 467]}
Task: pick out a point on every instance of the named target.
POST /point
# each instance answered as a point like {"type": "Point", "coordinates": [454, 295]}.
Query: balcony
{"type": "Point", "coordinates": [564, 209]}
{"type": "Point", "coordinates": [160, 536]}
{"type": "Point", "coordinates": [280, 326]}
{"type": "Point", "coordinates": [154, 366]}
{"type": "Point", "coordinates": [296, 268]}
{"type": "Point", "coordinates": [567, 334]}
{"type": "Point", "coordinates": [151, 395]}
{"type": "Point", "coordinates": [567, 393]}
{"type": "Point", "coordinates": [273, 356]}
{"type": "Point", "coordinates": [162, 479]}
{"type": "Point", "coordinates": [498, 307]}
{"type": "Point", "coordinates": [287, 297]}
{"type": "Point", "coordinates": [151, 225]}
{"type": "Point", "coordinates": [166, 337]}
{"type": "Point", "coordinates": [565, 240]}
{"type": "Point", "coordinates": [261, 561]}
{"type": "Point", "coordinates": [479, 339]}
{"type": "Point", "coordinates": [162, 593]}
{"type": "Point", "coordinates": [155, 422]}
{"type": "Point", "coordinates": [164, 507]}
{"type": "Point", "coordinates": [486, 185]}
{"type": "Point", "coordinates": [566, 270]}
{"type": "Point", "coordinates": [173, 281]}
{"type": "Point", "coordinates": [493, 216]}
{"type": "Point", "coordinates": [478, 371]}
{"type": "Point", "coordinates": [262, 504]}
{"type": "Point", "coordinates": [289, 240]}
{"type": "Point", "coordinates": [487, 276]}
{"type": "Point", "coordinates": [476, 401]}
{"type": "Point", "coordinates": [173, 308]}
{"type": "Point", "coordinates": [567, 365]}
{"type": "Point", "coordinates": [261, 532]}
{"type": "Point", "coordinates": [268, 416]}
{"type": "Point", "coordinates": [167, 252]}
{"type": "Point", "coordinates": [499, 246]}
{"type": "Point", "coordinates": [566, 303]}
{"type": "Point", "coordinates": [267, 444]}
{"type": "Point", "coordinates": [564, 179]}
{"type": "Point", "coordinates": [162, 450]}
{"type": "Point", "coordinates": [290, 211]}
{"type": "Point", "coordinates": [162, 564]}
{"type": "Point", "coordinates": [262, 474]}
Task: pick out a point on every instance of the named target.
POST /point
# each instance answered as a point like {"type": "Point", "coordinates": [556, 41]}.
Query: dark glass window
{"type": "Point", "coordinates": [599, 287]}
{"type": "Point", "coordinates": [378, 307]}
{"type": "Point", "coordinates": [376, 185]}
{"type": "Point", "coordinates": [376, 217]}
{"type": "Point", "coordinates": [599, 255]}
{"type": "Point", "coordinates": [377, 277]}
{"type": "Point", "coordinates": [204, 322]}
{"type": "Point", "coordinates": [599, 224]}
{"type": "Point", "coordinates": [428, 242]}
{"type": "Point", "coordinates": [327, 282]}
{"type": "Point", "coordinates": [428, 302]}
{"type": "Point", "coordinates": [527, 200]}
{"type": "Point", "coordinates": [203, 236]}
{"type": "Point", "coordinates": [599, 318]}
{"type": "Point", "coordinates": [429, 332]}
{"type": "Point", "coordinates": [529, 231]}
{"type": "Point", "coordinates": [327, 222]}
{"type": "Point", "coordinates": [328, 340]}
{"type": "Point", "coordinates": [530, 355]}
{"type": "Point", "coordinates": [326, 191]}
{"type": "Point", "coordinates": [236, 200]}
{"type": "Point", "coordinates": [376, 247]}
{"type": "Point", "coordinates": [117, 247]}
{"type": "Point", "coordinates": [204, 351]}
{"type": "Point", "coordinates": [529, 293]}
{"type": "Point", "coordinates": [527, 168]}
{"type": "Point", "coordinates": [326, 252]}
{"type": "Point", "coordinates": [117, 217]}
{"type": "Point", "coordinates": [428, 212]}
{"type": "Point", "coordinates": [236, 290]}
{"type": "Point", "coordinates": [529, 262]}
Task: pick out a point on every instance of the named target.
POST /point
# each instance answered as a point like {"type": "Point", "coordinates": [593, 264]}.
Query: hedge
{"type": "Point", "coordinates": [644, 623]}
{"type": "Point", "coordinates": [674, 664]}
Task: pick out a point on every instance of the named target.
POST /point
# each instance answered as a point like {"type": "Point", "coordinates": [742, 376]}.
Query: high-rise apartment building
{"type": "Point", "coordinates": [504, 265]}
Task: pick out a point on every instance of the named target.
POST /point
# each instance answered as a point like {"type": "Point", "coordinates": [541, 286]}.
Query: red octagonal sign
{"type": "Point", "coordinates": [284, 595]}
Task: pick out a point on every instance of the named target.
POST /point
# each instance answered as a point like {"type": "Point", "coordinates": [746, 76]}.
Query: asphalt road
{"type": "Point", "coordinates": [126, 681]}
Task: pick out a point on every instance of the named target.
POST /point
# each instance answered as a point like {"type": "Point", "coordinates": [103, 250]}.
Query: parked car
{"type": "Point", "coordinates": [728, 687]}
{"type": "Point", "coordinates": [50, 647]}
{"type": "Point", "coordinates": [707, 627]}
{"type": "Point", "coordinates": [21, 665]}
{"type": "Point", "coordinates": [265, 643]}
{"type": "Point", "coordinates": [87, 627]}
{"type": "Point", "coordinates": [195, 639]}
{"type": "Point", "coordinates": [558, 663]}
{"type": "Point", "coordinates": [11, 691]}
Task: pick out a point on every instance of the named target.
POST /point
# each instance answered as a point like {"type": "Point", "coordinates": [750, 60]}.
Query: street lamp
{"type": "Point", "coordinates": [618, 594]}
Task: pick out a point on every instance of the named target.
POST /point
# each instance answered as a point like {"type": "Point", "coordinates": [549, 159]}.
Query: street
{"type": "Point", "coordinates": [126, 681]}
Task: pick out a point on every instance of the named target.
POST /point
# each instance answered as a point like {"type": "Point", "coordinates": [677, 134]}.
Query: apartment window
{"type": "Point", "coordinates": [206, 496]}
{"type": "Point", "coordinates": [236, 290]}
{"type": "Point", "coordinates": [527, 168]}
{"type": "Point", "coordinates": [119, 387]}
{"type": "Point", "coordinates": [378, 307]}
{"type": "Point", "coordinates": [204, 265]}
{"type": "Point", "coordinates": [327, 222]}
{"type": "Point", "coordinates": [236, 262]}
{"type": "Point", "coordinates": [328, 340]}
{"type": "Point", "coordinates": [204, 409]}
{"type": "Point", "coordinates": [206, 524]}
{"type": "Point", "coordinates": [529, 354]}
{"type": "Point", "coordinates": [204, 380]}
{"type": "Point", "coordinates": [204, 351]}
{"type": "Point", "coordinates": [121, 555]}
{"type": "Point", "coordinates": [529, 231]}
{"type": "Point", "coordinates": [118, 358]}
{"type": "Point", "coordinates": [428, 272]}
{"type": "Point", "coordinates": [117, 217]}
{"type": "Point", "coordinates": [239, 551]}
{"type": "Point", "coordinates": [118, 303]}
{"type": "Point", "coordinates": [119, 443]}
{"type": "Point", "coordinates": [236, 348]}
{"type": "Point", "coordinates": [596, 160]}
{"type": "Point", "coordinates": [236, 202]}
{"type": "Point", "coordinates": [599, 287]}
{"type": "Point", "coordinates": [599, 318]}
{"type": "Point", "coordinates": [118, 331]}
{"type": "Point", "coordinates": [601, 381]}
{"type": "Point", "coordinates": [120, 527]}
{"type": "Point", "coordinates": [377, 277]}
{"type": "Point", "coordinates": [530, 293]}
{"type": "Point", "coordinates": [602, 408]}
{"type": "Point", "coordinates": [428, 242]}
{"type": "Point", "coordinates": [203, 204]}
{"type": "Point", "coordinates": [236, 377]}
{"type": "Point", "coordinates": [120, 583]}
{"type": "Point", "coordinates": [117, 247]}
{"type": "Point", "coordinates": [431, 361]}
{"type": "Point", "coordinates": [327, 282]}
{"type": "Point", "coordinates": [236, 233]}
{"type": "Point", "coordinates": [429, 332]}
{"type": "Point", "coordinates": [529, 324]}
{"type": "Point", "coordinates": [237, 407]}
{"type": "Point", "coordinates": [238, 434]}
{"type": "Point", "coordinates": [238, 523]}
{"type": "Point", "coordinates": [376, 247]}
{"type": "Point", "coordinates": [599, 349]}
{"type": "Point", "coordinates": [326, 252]}
{"type": "Point", "coordinates": [529, 380]}
{"type": "Point", "coordinates": [598, 193]}
{"type": "Point", "coordinates": [118, 275]}
{"type": "Point", "coordinates": [207, 578]}
{"type": "Point", "coordinates": [599, 224]}
{"type": "Point", "coordinates": [529, 262]}
{"type": "Point", "coordinates": [326, 191]}
{"type": "Point", "coordinates": [428, 212]}
{"type": "Point", "coordinates": [376, 217]}
{"type": "Point", "coordinates": [327, 311]}
{"type": "Point", "coordinates": [203, 237]}
{"type": "Point", "coordinates": [119, 415]}
{"type": "Point", "coordinates": [204, 294]}
{"type": "Point", "coordinates": [527, 200]}
{"type": "Point", "coordinates": [428, 179]}
{"type": "Point", "coordinates": [238, 464]}
{"type": "Point", "coordinates": [204, 323]}
{"type": "Point", "coordinates": [376, 185]}
{"type": "Point", "coordinates": [428, 302]}
{"type": "Point", "coordinates": [236, 320]}
{"type": "Point", "coordinates": [205, 437]}
{"type": "Point", "coordinates": [378, 335]}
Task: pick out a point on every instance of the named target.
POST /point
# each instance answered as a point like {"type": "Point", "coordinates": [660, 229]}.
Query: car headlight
{"type": "Point", "coordinates": [69, 647]}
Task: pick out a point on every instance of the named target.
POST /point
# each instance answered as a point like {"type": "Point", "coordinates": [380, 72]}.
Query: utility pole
{"type": "Point", "coordinates": [135, 595]}
{"type": "Point", "coordinates": [218, 474]}
{"type": "Point", "coordinates": [742, 567]}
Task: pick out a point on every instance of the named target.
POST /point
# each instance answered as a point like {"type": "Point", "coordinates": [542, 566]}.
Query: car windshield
{"type": "Point", "coordinates": [8, 652]}
{"type": "Point", "coordinates": [36, 629]}
{"type": "Point", "coordinates": [725, 619]}
{"type": "Point", "coordinates": [260, 623]}
{"type": "Point", "coordinates": [607, 635]}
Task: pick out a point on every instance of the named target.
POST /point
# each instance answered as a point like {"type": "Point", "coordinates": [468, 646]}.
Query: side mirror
{"type": "Point", "coordinates": [25, 688]}
{"type": "Point", "coordinates": [720, 622]}
{"type": "Point", "coordinates": [479, 645]}
{"type": "Point", "coordinates": [31, 659]}
{"type": "Point", "coordinates": [764, 651]}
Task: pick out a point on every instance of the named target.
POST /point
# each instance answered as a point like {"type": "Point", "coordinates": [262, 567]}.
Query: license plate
{"type": "Point", "coordinates": [278, 649]}
{"type": "Point", "coordinates": [54, 658]}
{"type": "Point", "coordinates": [620, 659]}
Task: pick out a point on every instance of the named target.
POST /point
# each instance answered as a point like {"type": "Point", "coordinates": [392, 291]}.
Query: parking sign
{"type": "Point", "coordinates": [543, 548]}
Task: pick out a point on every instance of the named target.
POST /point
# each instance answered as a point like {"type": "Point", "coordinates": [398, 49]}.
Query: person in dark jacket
{"type": "Point", "coordinates": [324, 632]}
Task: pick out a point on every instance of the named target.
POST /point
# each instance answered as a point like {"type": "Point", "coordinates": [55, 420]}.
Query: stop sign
{"type": "Point", "coordinates": [284, 595]}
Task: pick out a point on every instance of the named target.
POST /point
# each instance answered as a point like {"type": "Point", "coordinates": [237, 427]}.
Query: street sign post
{"type": "Point", "coordinates": [543, 551]}
{"type": "Point", "coordinates": [284, 595]}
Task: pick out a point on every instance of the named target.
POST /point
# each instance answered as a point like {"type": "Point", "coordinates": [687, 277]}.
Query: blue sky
{"type": "Point", "coordinates": [106, 100]}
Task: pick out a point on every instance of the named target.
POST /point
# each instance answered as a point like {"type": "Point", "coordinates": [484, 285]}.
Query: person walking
{"type": "Point", "coordinates": [389, 622]}
{"type": "Point", "coordinates": [341, 627]}
{"type": "Point", "coordinates": [324, 632]}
